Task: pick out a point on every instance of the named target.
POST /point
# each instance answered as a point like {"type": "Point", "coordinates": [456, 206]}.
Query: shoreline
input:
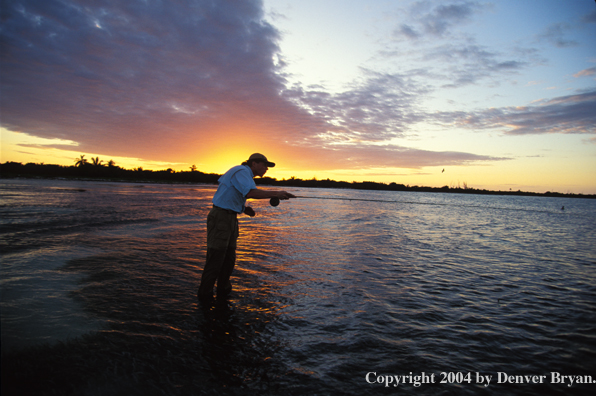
{"type": "Point", "coordinates": [119, 175]}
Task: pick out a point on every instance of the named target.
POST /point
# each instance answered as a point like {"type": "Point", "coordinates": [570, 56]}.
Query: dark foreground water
{"type": "Point", "coordinates": [442, 292]}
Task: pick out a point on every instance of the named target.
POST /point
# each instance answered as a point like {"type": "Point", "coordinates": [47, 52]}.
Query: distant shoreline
{"type": "Point", "coordinates": [89, 172]}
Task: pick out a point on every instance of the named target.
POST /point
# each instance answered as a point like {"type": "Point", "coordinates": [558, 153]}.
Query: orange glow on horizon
{"type": "Point", "coordinates": [308, 163]}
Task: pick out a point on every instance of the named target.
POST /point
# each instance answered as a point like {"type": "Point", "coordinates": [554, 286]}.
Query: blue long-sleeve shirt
{"type": "Point", "coordinates": [233, 187]}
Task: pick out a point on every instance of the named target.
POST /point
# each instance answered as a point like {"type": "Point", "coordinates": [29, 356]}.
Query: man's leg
{"type": "Point", "coordinates": [222, 233]}
{"type": "Point", "coordinates": [212, 270]}
{"type": "Point", "coordinates": [224, 286]}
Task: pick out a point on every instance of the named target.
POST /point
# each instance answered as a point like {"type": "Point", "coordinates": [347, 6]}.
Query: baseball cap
{"type": "Point", "coordinates": [261, 157]}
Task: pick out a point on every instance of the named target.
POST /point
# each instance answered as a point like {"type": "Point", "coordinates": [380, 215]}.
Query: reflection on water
{"type": "Point", "coordinates": [325, 291]}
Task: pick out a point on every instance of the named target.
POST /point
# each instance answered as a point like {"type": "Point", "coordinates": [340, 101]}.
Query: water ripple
{"type": "Point", "coordinates": [326, 290]}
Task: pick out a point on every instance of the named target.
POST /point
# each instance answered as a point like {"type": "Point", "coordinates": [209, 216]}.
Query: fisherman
{"type": "Point", "coordinates": [235, 186]}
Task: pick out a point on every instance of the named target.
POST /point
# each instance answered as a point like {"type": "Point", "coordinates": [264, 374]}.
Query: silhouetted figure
{"type": "Point", "coordinates": [235, 186]}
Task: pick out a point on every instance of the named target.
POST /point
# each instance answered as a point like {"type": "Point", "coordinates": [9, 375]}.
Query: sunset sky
{"type": "Point", "coordinates": [492, 94]}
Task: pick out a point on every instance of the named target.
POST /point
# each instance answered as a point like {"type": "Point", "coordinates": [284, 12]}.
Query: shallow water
{"type": "Point", "coordinates": [326, 291]}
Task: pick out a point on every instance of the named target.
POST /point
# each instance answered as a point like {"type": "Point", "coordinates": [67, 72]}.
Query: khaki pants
{"type": "Point", "coordinates": [222, 234]}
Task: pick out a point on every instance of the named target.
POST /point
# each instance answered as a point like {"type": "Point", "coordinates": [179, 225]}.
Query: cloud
{"type": "Point", "coordinates": [436, 21]}
{"type": "Point", "coordinates": [468, 63]}
{"type": "Point", "coordinates": [589, 18]}
{"type": "Point", "coordinates": [48, 146]}
{"type": "Point", "coordinates": [555, 34]}
{"type": "Point", "coordinates": [379, 108]}
{"type": "Point", "coordinates": [441, 18]}
{"type": "Point", "coordinates": [572, 114]}
{"type": "Point", "coordinates": [450, 57]}
{"type": "Point", "coordinates": [586, 72]}
{"type": "Point", "coordinates": [356, 126]}
{"type": "Point", "coordinates": [109, 74]}
{"type": "Point", "coordinates": [407, 31]}
{"type": "Point", "coordinates": [172, 82]}
{"type": "Point", "coordinates": [388, 156]}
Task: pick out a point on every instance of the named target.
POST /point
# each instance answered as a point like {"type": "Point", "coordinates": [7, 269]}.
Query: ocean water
{"type": "Point", "coordinates": [331, 295]}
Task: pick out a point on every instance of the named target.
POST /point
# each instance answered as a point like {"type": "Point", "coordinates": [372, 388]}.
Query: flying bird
{"type": "Point", "coordinates": [443, 171]}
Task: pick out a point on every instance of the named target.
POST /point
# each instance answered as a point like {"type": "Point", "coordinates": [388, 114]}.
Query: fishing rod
{"type": "Point", "coordinates": [275, 201]}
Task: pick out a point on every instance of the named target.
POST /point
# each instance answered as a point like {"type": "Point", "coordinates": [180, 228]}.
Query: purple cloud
{"type": "Point", "coordinates": [173, 81]}
{"type": "Point", "coordinates": [103, 72]}
{"type": "Point", "coordinates": [572, 114]}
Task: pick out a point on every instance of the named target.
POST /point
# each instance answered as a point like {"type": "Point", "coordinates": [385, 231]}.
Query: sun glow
{"type": "Point", "coordinates": [222, 160]}
{"type": "Point", "coordinates": [23, 148]}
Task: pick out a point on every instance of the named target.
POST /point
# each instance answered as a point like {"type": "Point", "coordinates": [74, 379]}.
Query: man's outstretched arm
{"type": "Point", "coordinates": [255, 193]}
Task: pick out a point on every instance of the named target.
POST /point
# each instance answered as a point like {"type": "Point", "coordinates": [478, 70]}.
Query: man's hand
{"type": "Point", "coordinates": [285, 195]}
{"type": "Point", "coordinates": [249, 211]}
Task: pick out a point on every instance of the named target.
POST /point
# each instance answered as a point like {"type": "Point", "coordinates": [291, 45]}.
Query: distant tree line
{"type": "Point", "coordinates": [83, 169]}
{"type": "Point", "coordinates": [95, 169]}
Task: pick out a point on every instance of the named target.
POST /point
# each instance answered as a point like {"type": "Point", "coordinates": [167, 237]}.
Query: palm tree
{"type": "Point", "coordinates": [96, 161]}
{"type": "Point", "coordinates": [111, 163]}
{"type": "Point", "coordinates": [81, 161]}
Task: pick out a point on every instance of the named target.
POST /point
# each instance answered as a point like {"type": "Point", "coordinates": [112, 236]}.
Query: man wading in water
{"type": "Point", "coordinates": [235, 186]}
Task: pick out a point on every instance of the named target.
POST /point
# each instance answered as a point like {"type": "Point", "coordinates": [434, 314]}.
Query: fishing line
{"type": "Point", "coordinates": [275, 202]}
